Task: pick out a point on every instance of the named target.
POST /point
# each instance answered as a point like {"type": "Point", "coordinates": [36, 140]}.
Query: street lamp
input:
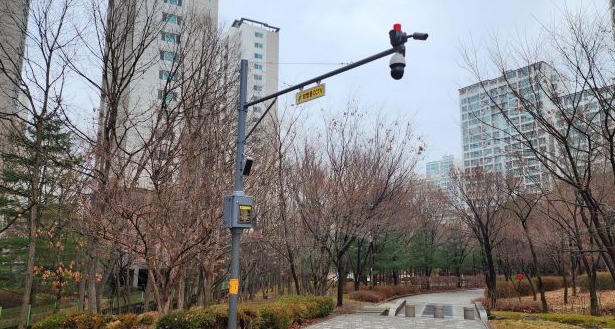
{"type": "Point", "coordinates": [237, 214]}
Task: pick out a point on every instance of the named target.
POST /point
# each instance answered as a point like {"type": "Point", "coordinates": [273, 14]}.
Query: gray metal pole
{"type": "Point", "coordinates": [238, 191]}
{"type": "Point", "coordinates": [234, 298]}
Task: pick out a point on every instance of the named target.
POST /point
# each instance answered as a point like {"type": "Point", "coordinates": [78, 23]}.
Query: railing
{"type": "Point", "coordinates": [9, 317]}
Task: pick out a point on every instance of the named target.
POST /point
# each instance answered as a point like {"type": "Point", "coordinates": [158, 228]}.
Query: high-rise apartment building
{"type": "Point", "coordinates": [162, 44]}
{"type": "Point", "coordinates": [13, 25]}
{"type": "Point", "coordinates": [437, 173]}
{"type": "Point", "coordinates": [259, 44]}
{"type": "Point", "coordinates": [488, 140]}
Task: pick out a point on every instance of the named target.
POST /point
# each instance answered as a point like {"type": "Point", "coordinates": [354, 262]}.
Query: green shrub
{"type": "Point", "coordinates": [125, 321]}
{"type": "Point", "coordinates": [318, 307]}
{"type": "Point", "coordinates": [281, 314]}
{"type": "Point", "coordinates": [174, 320]}
{"type": "Point", "coordinates": [274, 316]}
{"type": "Point", "coordinates": [603, 281]}
{"type": "Point", "coordinates": [220, 313]}
{"type": "Point", "coordinates": [325, 306]}
{"type": "Point", "coordinates": [87, 321]}
{"type": "Point", "coordinates": [55, 321]}
{"type": "Point", "coordinates": [94, 321]}
{"type": "Point", "coordinates": [147, 319]}
{"type": "Point", "coordinates": [203, 318]}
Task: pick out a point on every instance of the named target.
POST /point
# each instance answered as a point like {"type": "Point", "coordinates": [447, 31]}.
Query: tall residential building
{"type": "Point", "coordinates": [168, 38]}
{"type": "Point", "coordinates": [438, 172]}
{"type": "Point", "coordinates": [13, 25]}
{"type": "Point", "coordinates": [488, 140]}
{"type": "Point", "coordinates": [612, 12]}
{"type": "Point", "coordinates": [259, 44]}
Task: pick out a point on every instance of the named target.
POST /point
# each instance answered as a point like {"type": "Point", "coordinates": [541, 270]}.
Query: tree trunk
{"type": "Point", "coordinates": [208, 293]}
{"type": "Point", "coordinates": [341, 281]}
{"type": "Point", "coordinates": [26, 297]}
{"type": "Point", "coordinates": [565, 287]}
{"type": "Point", "coordinates": [293, 272]}
{"type": "Point", "coordinates": [490, 277]}
{"type": "Point", "coordinates": [92, 277]}
{"type": "Point", "coordinates": [80, 303]}
{"type": "Point", "coordinates": [147, 298]}
{"type": "Point", "coordinates": [573, 274]}
{"type": "Point", "coordinates": [593, 295]}
{"type": "Point", "coordinates": [541, 288]}
{"type": "Point", "coordinates": [531, 284]}
{"type": "Point", "coordinates": [181, 289]}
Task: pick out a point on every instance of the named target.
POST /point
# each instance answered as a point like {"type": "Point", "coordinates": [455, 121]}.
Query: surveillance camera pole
{"type": "Point", "coordinates": [239, 204]}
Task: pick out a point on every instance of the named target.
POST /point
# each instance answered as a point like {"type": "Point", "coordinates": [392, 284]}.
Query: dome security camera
{"type": "Point", "coordinates": [397, 65]}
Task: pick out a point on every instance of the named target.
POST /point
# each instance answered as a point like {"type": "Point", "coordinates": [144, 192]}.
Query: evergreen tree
{"type": "Point", "coordinates": [36, 170]}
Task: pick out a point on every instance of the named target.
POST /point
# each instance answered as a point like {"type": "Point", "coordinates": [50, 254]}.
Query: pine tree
{"type": "Point", "coordinates": [35, 168]}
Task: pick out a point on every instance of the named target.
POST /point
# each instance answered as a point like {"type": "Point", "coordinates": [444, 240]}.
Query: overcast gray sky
{"type": "Point", "coordinates": [341, 31]}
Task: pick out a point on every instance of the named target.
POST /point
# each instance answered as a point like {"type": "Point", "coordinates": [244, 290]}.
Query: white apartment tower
{"type": "Point", "coordinates": [488, 140]}
{"type": "Point", "coordinates": [173, 21]}
{"type": "Point", "coordinates": [12, 43]}
{"type": "Point", "coordinates": [259, 44]}
{"type": "Point", "coordinates": [438, 173]}
{"type": "Point", "coordinates": [168, 38]}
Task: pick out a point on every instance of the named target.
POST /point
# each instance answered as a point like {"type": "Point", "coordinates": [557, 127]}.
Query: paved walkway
{"type": "Point", "coordinates": [452, 302]}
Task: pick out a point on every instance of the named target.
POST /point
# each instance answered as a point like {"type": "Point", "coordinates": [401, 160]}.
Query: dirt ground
{"type": "Point", "coordinates": [576, 304]}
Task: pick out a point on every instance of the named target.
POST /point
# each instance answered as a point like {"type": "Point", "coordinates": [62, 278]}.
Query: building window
{"type": "Point", "coordinates": [258, 66]}
{"type": "Point", "coordinates": [258, 56]}
{"type": "Point", "coordinates": [258, 88]}
{"type": "Point", "coordinates": [258, 45]}
{"type": "Point", "coordinates": [174, 2]}
{"type": "Point", "coordinates": [168, 56]}
{"type": "Point", "coordinates": [258, 77]}
{"type": "Point", "coordinates": [259, 35]}
{"type": "Point", "coordinates": [170, 37]}
{"type": "Point", "coordinates": [168, 96]}
{"type": "Point", "coordinates": [171, 19]}
{"type": "Point", "coordinates": [167, 76]}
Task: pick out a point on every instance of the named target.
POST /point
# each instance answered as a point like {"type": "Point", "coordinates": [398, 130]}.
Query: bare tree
{"type": "Point", "coordinates": [478, 200]}
{"type": "Point", "coordinates": [523, 205]}
{"type": "Point", "coordinates": [428, 230]}
{"type": "Point", "coordinates": [158, 162]}
{"type": "Point", "coordinates": [271, 181]}
{"type": "Point", "coordinates": [41, 149]}
{"type": "Point", "coordinates": [354, 185]}
{"type": "Point", "coordinates": [563, 209]}
{"type": "Point", "coordinates": [569, 101]}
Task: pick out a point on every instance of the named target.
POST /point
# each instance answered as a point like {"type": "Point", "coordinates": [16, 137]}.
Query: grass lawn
{"type": "Point", "coordinates": [529, 324]}
{"type": "Point", "coordinates": [549, 320]}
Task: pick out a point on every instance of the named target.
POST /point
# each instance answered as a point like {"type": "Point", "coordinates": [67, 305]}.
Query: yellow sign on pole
{"type": "Point", "coordinates": [233, 287]}
{"type": "Point", "coordinates": [310, 94]}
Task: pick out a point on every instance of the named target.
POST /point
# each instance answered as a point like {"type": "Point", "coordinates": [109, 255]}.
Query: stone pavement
{"type": "Point", "coordinates": [452, 302]}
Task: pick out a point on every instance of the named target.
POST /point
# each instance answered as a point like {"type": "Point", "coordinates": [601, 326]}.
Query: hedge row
{"type": "Point", "coordinates": [604, 281]}
{"type": "Point", "coordinates": [380, 293]}
{"type": "Point", "coordinates": [95, 321]}
{"type": "Point", "coordinates": [279, 314]}
{"type": "Point", "coordinates": [508, 289]}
